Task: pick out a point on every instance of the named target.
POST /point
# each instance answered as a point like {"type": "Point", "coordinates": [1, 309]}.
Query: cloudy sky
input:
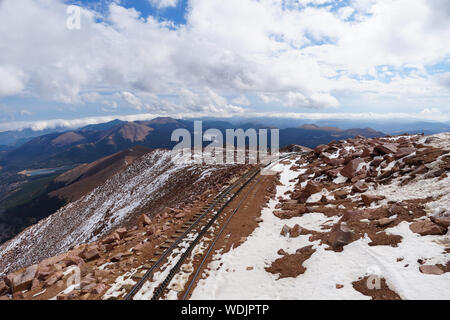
{"type": "Point", "coordinates": [293, 58]}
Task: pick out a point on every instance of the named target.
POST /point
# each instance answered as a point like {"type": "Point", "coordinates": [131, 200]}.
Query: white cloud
{"type": "Point", "coordinates": [299, 57]}
{"type": "Point", "coordinates": [430, 111]}
{"type": "Point", "coordinates": [241, 100]}
{"type": "Point", "coordinates": [132, 100]}
{"type": "Point", "coordinates": [163, 3]}
{"type": "Point", "coordinates": [11, 81]}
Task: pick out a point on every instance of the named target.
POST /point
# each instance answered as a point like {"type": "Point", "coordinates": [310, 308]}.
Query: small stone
{"type": "Point", "coordinates": [431, 269]}
{"type": "Point", "coordinates": [359, 187]}
{"type": "Point", "coordinates": [384, 222]}
{"type": "Point", "coordinates": [339, 286]}
{"type": "Point", "coordinates": [295, 231]}
{"type": "Point", "coordinates": [285, 230]}
{"type": "Point", "coordinates": [368, 198]}
{"type": "Point", "coordinates": [144, 220]}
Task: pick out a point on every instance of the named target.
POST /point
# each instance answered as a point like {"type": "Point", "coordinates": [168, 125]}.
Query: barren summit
{"type": "Point", "coordinates": [362, 218]}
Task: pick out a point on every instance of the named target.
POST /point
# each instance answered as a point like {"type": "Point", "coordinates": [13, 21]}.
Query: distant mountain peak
{"type": "Point", "coordinates": [316, 127]}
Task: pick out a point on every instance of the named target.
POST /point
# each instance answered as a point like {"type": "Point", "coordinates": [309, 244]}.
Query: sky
{"type": "Point", "coordinates": [318, 59]}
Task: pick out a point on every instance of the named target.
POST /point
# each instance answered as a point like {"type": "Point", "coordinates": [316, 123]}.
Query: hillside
{"type": "Point", "coordinates": [354, 219]}
{"type": "Point", "coordinates": [43, 196]}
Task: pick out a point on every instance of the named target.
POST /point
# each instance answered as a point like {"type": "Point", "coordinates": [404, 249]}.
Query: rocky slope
{"type": "Point", "coordinates": [354, 219]}
{"type": "Point", "coordinates": [148, 185]}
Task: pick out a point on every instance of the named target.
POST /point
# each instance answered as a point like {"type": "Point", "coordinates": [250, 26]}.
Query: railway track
{"type": "Point", "coordinates": [200, 222]}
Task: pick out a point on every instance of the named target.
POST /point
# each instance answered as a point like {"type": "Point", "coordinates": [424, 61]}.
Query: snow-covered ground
{"type": "Point", "coordinates": [229, 277]}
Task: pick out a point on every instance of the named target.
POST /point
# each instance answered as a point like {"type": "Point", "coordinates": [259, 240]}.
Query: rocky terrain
{"type": "Point", "coordinates": [354, 219]}
{"type": "Point", "coordinates": [148, 185]}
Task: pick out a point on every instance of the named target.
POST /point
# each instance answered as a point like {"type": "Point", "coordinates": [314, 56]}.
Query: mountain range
{"type": "Point", "coordinates": [49, 171]}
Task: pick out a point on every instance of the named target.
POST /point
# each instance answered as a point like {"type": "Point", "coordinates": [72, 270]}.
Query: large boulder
{"type": "Point", "coordinates": [386, 148]}
{"type": "Point", "coordinates": [427, 227]}
{"type": "Point", "coordinates": [340, 236]}
{"type": "Point", "coordinates": [21, 280]}
{"type": "Point", "coordinates": [90, 254]}
{"type": "Point", "coordinates": [349, 171]}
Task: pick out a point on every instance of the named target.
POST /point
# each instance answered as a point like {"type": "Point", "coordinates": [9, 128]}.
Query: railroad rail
{"type": "Point", "coordinates": [200, 220]}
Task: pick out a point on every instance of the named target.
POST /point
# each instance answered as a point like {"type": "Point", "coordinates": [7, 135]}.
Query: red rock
{"type": "Point", "coordinates": [17, 295]}
{"type": "Point", "coordinates": [21, 280]}
{"type": "Point", "coordinates": [340, 236]}
{"type": "Point", "coordinates": [340, 194]}
{"type": "Point", "coordinates": [53, 278]}
{"type": "Point", "coordinates": [91, 254]}
{"type": "Point", "coordinates": [425, 228]}
{"type": "Point", "coordinates": [368, 198]}
{"type": "Point", "coordinates": [111, 238]}
{"type": "Point", "coordinates": [366, 152]}
{"type": "Point", "coordinates": [384, 222]}
{"type": "Point", "coordinates": [431, 269]}
{"type": "Point", "coordinates": [351, 215]}
{"type": "Point", "coordinates": [442, 219]}
{"type": "Point", "coordinates": [335, 162]}
{"type": "Point", "coordinates": [376, 162]}
{"type": "Point", "coordinates": [43, 273]}
{"type": "Point", "coordinates": [4, 289]}
{"type": "Point", "coordinates": [285, 230]}
{"type": "Point", "coordinates": [122, 232]}
{"type": "Point", "coordinates": [403, 152]}
{"type": "Point", "coordinates": [140, 247]}
{"type": "Point", "coordinates": [308, 190]}
{"type": "Point", "coordinates": [420, 170]}
{"type": "Point", "coordinates": [295, 231]}
{"type": "Point", "coordinates": [349, 171]}
{"type": "Point", "coordinates": [339, 286]}
{"type": "Point", "coordinates": [386, 148]}
{"type": "Point", "coordinates": [99, 289]}
{"type": "Point", "coordinates": [72, 260]}
{"type": "Point", "coordinates": [320, 148]}
{"type": "Point", "coordinates": [35, 284]}
{"type": "Point", "coordinates": [281, 252]}
{"type": "Point", "coordinates": [360, 187]}
{"type": "Point", "coordinates": [144, 220]}
{"type": "Point", "coordinates": [180, 215]}
{"type": "Point", "coordinates": [333, 173]}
